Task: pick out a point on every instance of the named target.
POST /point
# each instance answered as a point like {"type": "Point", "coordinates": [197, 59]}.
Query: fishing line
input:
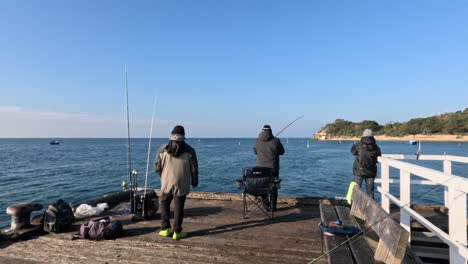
{"type": "Point", "coordinates": [149, 151]}
{"type": "Point", "coordinates": [288, 125]}
{"type": "Point", "coordinates": [353, 238]}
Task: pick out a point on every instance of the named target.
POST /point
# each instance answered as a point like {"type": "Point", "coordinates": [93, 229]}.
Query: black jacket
{"type": "Point", "coordinates": [366, 153]}
{"type": "Point", "coordinates": [268, 149]}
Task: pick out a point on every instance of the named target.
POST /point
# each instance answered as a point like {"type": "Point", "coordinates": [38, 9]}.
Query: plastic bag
{"type": "Point", "coordinates": [85, 210]}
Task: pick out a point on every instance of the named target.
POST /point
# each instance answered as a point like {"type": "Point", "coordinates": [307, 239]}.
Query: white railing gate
{"type": "Point", "coordinates": [455, 191]}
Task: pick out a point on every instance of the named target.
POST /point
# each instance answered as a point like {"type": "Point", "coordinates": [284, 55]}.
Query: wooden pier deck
{"type": "Point", "coordinates": [217, 234]}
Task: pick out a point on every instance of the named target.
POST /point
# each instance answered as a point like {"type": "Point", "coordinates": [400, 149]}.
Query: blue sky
{"type": "Point", "coordinates": [225, 68]}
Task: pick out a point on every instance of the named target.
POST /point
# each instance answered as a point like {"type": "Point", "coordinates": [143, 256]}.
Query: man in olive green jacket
{"type": "Point", "coordinates": [176, 163]}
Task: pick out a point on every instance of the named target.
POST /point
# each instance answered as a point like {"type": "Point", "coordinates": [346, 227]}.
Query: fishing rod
{"type": "Point", "coordinates": [354, 237]}
{"type": "Point", "coordinates": [131, 177]}
{"type": "Point", "coordinates": [288, 125]}
{"type": "Point", "coordinates": [129, 148]}
{"type": "Point", "coordinates": [148, 157]}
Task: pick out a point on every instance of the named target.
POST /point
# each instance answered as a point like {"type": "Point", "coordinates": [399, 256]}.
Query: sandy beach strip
{"type": "Point", "coordinates": [419, 137]}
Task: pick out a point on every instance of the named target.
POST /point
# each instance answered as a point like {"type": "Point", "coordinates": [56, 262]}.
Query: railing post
{"type": "Point", "coordinates": [448, 171]}
{"type": "Point", "coordinates": [405, 198]}
{"type": "Point", "coordinates": [457, 223]}
{"type": "Point", "coordinates": [385, 185]}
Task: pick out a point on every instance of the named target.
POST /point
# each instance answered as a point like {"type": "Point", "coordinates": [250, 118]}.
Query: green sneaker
{"type": "Point", "coordinates": [165, 232]}
{"type": "Point", "coordinates": [177, 236]}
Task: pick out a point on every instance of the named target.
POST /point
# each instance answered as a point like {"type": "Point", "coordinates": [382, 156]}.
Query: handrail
{"type": "Point", "coordinates": [455, 194]}
{"type": "Point", "coordinates": [433, 228]}
{"type": "Point", "coordinates": [457, 182]}
{"type": "Point", "coordinates": [421, 182]}
{"type": "Point", "coordinates": [426, 157]}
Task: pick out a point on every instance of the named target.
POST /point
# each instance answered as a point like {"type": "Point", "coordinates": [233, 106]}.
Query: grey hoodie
{"type": "Point", "coordinates": [268, 149]}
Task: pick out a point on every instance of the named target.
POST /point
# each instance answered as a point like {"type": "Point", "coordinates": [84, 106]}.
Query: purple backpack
{"type": "Point", "coordinates": [101, 228]}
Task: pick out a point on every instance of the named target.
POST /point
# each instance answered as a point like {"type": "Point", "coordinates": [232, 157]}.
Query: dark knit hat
{"type": "Point", "coordinates": [266, 127]}
{"type": "Point", "coordinates": [178, 130]}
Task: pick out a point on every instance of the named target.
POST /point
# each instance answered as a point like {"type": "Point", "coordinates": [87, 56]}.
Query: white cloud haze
{"type": "Point", "coordinates": [18, 122]}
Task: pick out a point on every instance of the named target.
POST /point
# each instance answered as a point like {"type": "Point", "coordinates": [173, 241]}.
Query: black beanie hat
{"type": "Point", "coordinates": [266, 127]}
{"type": "Point", "coordinates": [179, 130]}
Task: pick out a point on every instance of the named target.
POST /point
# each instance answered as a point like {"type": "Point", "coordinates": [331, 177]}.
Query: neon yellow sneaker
{"type": "Point", "coordinates": [165, 232]}
{"type": "Point", "coordinates": [177, 236]}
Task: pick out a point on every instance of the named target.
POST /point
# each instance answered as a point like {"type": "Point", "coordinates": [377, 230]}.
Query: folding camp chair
{"type": "Point", "coordinates": [257, 188]}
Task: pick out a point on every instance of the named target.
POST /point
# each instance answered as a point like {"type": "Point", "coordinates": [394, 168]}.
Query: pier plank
{"type": "Point", "coordinates": [393, 238]}
{"type": "Point", "coordinates": [430, 252]}
{"type": "Point", "coordinates": [359, 248]}
{"type": "Point", "coordinates": [341, 254]}
{"type": "Point", "coordinates": [425, 237]}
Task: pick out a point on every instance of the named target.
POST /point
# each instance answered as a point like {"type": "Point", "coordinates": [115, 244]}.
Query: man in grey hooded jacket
{"type": "Point", "coordinates": [177, 164]}
{"type": "Point", "coordinates": [267, 149]}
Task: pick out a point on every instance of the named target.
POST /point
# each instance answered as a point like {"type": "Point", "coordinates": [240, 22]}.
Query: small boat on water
{"type": "Point", "coordinates": [54, 142]}
{"type": "Point", "coordinates": [412, 142]}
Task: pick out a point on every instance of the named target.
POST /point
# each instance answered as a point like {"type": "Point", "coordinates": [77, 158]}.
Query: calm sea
{"type": "Point", "coordinates": [82, 169]}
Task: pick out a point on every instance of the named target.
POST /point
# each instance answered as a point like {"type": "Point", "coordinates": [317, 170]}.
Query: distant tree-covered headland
{"type": "Point", "coordinates": [455, 124]}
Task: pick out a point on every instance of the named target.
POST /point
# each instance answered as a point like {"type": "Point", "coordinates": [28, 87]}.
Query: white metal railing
{"type": "Point", "coordinates": [455, 193]}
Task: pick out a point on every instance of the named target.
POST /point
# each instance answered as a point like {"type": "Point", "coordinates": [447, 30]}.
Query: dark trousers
{"type": "Point", "coordinates": [274, 195]}
{"type": "Point", "coordinates": [179, 202]}
{"type": "Point", "coordinates": [274, 198]}
{"type": "Point", "coordinates": [369, 184]}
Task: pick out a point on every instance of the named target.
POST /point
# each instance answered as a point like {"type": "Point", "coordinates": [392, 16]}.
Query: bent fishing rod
{"type": "Point", "coordinates": [364, 231]}
{"type": "Point", "coordinates": [294, 121]}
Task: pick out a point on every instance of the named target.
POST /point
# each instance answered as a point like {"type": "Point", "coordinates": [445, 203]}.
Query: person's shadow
{"type": "Point", "coordinates": [189, 212]}
{"type": "Point", "coordinates": [4, 243]}
{"type": "Point", "coordinates": [246, 224]}
{"type": "Point", "coordinates": [202, 211]}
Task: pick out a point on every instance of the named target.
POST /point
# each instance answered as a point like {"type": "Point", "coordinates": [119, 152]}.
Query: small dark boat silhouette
{"type": "Point", "coordinates": [54, 142]}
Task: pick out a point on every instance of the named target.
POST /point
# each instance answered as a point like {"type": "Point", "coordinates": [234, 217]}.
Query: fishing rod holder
{"type": "Point", "coordinates": [146, 204]}
{"type": "Point", "coordinates": [134, 175]}
{"type": "Point", "coordinates": [133, 187]}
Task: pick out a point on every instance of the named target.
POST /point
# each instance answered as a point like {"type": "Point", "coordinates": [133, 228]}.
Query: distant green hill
{"type": "Point", "coordinates": [450, 123]}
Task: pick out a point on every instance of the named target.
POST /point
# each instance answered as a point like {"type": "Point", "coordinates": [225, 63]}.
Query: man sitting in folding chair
{"type": "Point", "coordinates": [267, 149]}
{"type": "Point", "coordinates": [257, 185]}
